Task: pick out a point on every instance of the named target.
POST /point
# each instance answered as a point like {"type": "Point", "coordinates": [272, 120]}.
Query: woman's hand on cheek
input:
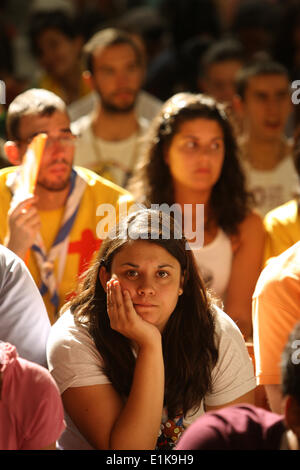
{"type": "Point", "coordinates": [124, 318]}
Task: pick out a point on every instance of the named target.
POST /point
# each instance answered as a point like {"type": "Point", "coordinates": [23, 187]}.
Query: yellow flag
{"type": "Point", "coordinates": [29, 168]}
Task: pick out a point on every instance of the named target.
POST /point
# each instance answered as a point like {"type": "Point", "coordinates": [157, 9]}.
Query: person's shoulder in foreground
{"type": "Point", "coordinates": [31, 411]}
{"type": "Point", "coordinates": [23, 317]}
{"type": "Point", "coordinates": [275, 312]}
{"type": "Point", "coordinates": [280, 269]}
{"type": "Point", "coordinates": [239, 427]}
{"type": "Point", "coordinates": [102, 197]}
{"type": "Point", "coordinates": [94, 180]}
{"type": "Point", "coordinates": [247, 427]}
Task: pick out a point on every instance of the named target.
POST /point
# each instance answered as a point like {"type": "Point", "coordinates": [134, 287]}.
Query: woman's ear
{"type": "Point", "coordinates": [104, 277]}
{"type": "Point", "coordinates": [12, 152]}
{"type": "Point", "coordinates": [181, 286]}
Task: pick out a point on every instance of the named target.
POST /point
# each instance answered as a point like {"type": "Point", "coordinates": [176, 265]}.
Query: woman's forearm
{"type": "Point", "coordinates": [138, 424]}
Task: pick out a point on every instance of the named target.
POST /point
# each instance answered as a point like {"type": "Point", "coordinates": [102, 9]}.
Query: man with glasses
{"type": "Point", "coordinates": [55, 231]}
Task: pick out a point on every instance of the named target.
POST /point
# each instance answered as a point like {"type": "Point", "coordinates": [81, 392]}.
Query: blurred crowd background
{"type": "Point", "coordinates": [175, 35]}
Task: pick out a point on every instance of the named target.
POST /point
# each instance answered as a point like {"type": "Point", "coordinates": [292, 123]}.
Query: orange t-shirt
{"type": "Point", "coordinates": [276, 310]}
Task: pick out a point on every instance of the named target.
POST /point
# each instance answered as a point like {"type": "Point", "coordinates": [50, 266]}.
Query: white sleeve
{"type": "Point", "coordinates": [233, 375]}
{"type": "Point", "coordinates": [73, 359]}
{"type": "Point", "coordinates": [24, 321]}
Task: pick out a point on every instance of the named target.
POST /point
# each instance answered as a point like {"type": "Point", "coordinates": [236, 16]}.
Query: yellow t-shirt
{"type": "Point", "coordinates": [282, 229]}
{"type": "Point", "coordinates": [84, 238]}
{"type": "Point", "coordinates": [49, 83]}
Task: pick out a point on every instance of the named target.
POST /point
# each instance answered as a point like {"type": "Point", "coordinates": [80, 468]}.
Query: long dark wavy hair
{"type": "Point", "coordinates": [188, 339]}
{"type": "Point", "coordinates": [152, 182]}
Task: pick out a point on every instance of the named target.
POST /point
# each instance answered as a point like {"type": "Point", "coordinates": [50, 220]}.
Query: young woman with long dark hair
{"type": "Point", "coordinates": [191, 158]}
{"type": "Point", "coordinates": [142, 350]}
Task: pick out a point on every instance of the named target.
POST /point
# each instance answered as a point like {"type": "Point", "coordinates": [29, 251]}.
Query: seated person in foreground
{"type": "Point", "coordinates": [31, 412]}
{"type": "Point", "coordinates": [142, 350]}
{"type": "Point", "coordinates": [246, 427]}
{"type": "Point", "coordinates": [24, 320]}
{"type": "Point", "coordinates": [276, 311]}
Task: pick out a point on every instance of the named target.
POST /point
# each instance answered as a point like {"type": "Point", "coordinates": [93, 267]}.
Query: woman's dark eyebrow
{"type": "Point", "coordinates": [192, 136]}
{"type": "Point", "coordinates": [137, 266]}
{"type": "Point", "coordinates": [130, 264]}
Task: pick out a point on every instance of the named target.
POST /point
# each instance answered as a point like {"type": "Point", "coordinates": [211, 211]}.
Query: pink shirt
{"type": "Point", "coordinates": [31, 411]}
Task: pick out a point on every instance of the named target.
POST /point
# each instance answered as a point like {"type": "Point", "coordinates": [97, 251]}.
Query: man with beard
{"type": "Point", "coordinates": [109, 142]}
{"type": "Point", "coordinates": [55, 231]}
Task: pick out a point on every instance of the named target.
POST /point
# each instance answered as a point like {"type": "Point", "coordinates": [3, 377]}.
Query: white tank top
{"type": "Point", "coordinates": [214, 262]}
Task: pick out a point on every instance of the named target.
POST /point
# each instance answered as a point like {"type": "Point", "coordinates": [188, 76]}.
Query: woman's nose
{"type": "Point", "coordinates": [145, 290]}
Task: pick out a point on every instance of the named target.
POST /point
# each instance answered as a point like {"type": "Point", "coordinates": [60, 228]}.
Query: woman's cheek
{"type": "Point", "coordinates": [126, 285]}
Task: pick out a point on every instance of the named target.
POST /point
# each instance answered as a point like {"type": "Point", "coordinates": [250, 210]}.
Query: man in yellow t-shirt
{"type": "Point", "coordinates": [276, 310]}
{"type": "Point", "coordinates": [282, 229]}
{"type": "Point", "coordinates": [58, 230]}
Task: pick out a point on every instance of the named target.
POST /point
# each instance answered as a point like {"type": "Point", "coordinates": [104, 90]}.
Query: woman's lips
{"type": "Point", "coordinates": [202, 171]}
{"type": "Point", "coordinates": [144, 305]}
{"type": "Point", "coordinates": [273, 125]}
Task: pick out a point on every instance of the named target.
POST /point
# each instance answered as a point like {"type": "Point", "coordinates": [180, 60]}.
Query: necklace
{"type": "Point", "coordinates": [262, 163]}
{"type": "Point", "coordinates": [105, 168]}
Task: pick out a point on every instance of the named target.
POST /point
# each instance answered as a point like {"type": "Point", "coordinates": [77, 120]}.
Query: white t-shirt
{"type": "Point", "coordinates": [74, 361]}
{"type": "Point", "coordinates": [147, 106]}
{"type": "Point", "coordinates": [24, 321]}
{"type": "Point", "coordinates": [114, 160]}
{"type": "Point", "coordinates": [272, 188]}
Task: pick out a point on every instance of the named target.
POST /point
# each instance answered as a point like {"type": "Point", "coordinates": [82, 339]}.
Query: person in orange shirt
{"type": "Point", "coordinates": [275, 311]}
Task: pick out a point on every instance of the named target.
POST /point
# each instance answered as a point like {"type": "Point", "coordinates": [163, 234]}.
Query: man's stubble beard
{"type": "Point", "coordinates": [110, 108]}
{"type": "Point", "coordinates": [54, 187]}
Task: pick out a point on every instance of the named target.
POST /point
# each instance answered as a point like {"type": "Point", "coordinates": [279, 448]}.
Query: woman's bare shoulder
{"type": "Point", "coordinates": [251, 228]}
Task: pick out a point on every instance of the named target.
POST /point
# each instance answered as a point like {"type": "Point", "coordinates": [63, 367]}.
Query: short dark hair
{"type": "Point", "coordinates": [31, 102]}
{"type": "Point", "coordinates": [290, 365]}
{"type": "Point", "coordinates": [53, 19]}
{"type": "Point", "coordinates": [106, 38]}
{"type": "Point", "coordinates": [221, 51]}
{"type": "Point", "coordinates": [258, 68]}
